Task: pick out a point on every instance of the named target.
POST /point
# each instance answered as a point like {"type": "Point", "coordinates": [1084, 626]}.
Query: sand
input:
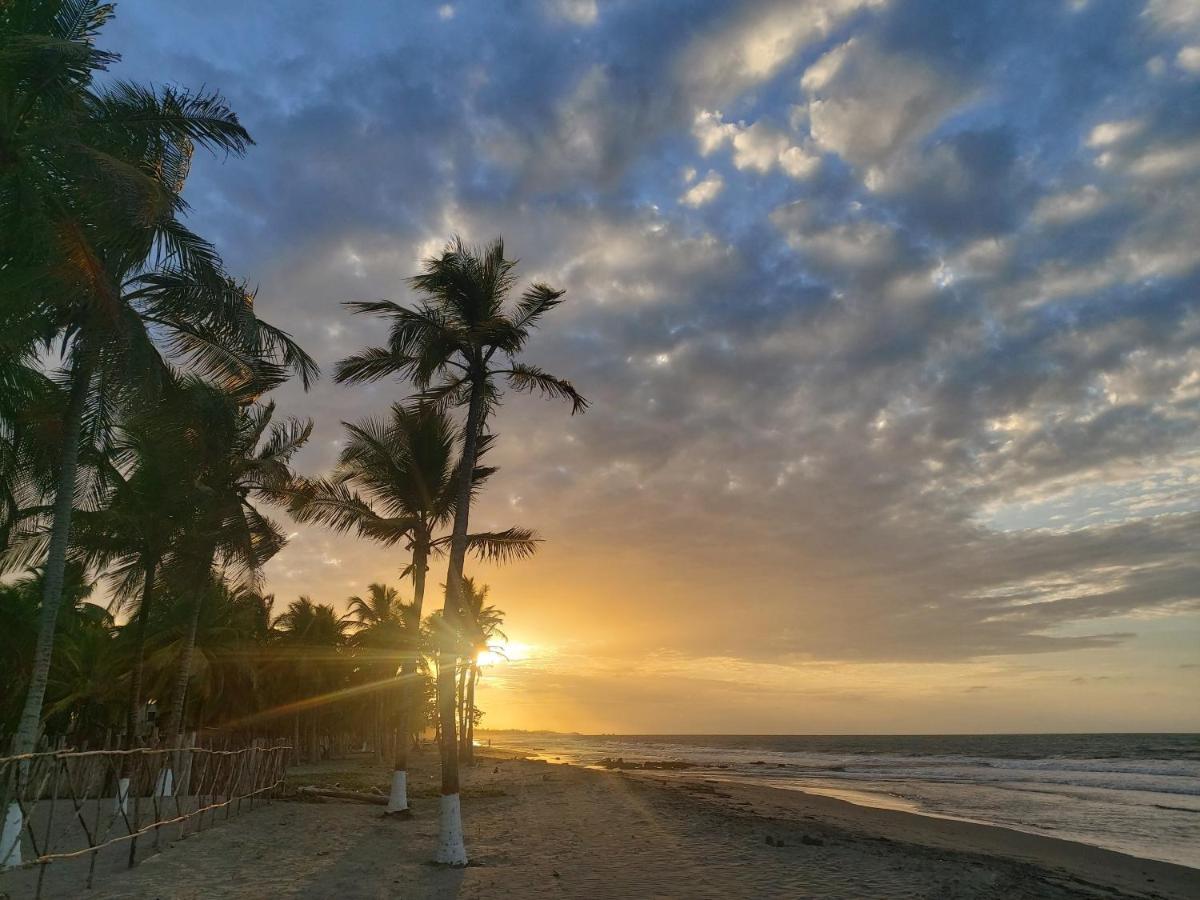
{"type": "Point", "coordinates": [541, 830]}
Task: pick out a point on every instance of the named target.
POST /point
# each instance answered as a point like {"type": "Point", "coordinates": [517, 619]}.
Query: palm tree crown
{"type": "Point", "coordinates": [451, 340]}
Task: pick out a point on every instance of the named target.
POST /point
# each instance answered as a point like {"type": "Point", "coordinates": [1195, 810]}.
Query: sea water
{"type": "Point", "coordinates": [1135, 793]}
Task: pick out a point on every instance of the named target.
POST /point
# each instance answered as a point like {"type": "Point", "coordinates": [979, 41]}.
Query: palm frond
{"type": "Point", "coordinates": [500, 546]}
{"type": "Point", "coordinates": [530, 379]}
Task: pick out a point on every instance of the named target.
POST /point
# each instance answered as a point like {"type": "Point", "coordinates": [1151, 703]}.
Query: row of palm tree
{"type": "Point", "coordinates": [327, 681]}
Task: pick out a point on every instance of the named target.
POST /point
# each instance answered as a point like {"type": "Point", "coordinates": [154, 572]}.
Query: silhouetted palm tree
{"type": "Point", "coordinates": [386, 630]}
{"type": "Point", "coordinates": [69, 676]}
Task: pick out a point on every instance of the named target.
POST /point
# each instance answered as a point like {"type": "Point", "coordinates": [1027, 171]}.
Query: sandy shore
{"type": "Point", "coordinates": [541, 830]}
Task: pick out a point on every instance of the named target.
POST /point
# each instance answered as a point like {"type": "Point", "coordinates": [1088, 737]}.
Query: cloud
{"type": "Point", "coordinates": [865, 103]}
{"type": "Point", "coordinates": [757, 42]}
{"type": "Point", "coordinates": [577, 12]}
{"type": "Point", "coordinates": [703, 191]}
{"type": "Point", "coordinates": [1173, 14]}
{"type": "Point", "coordinates": [711, 133]}
{"type": "Point", "coordinates": [1188, 59]}
{"type": "Point", "coordinates": [1108, 133]}
{"type": "Point", "coordinates": [760, 147]}
{"type": "Point", "coordinates": [1069, 206]}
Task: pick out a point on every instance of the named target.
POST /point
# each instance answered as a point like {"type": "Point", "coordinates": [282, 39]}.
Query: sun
{"type": "Point", "coordinates": [503, 652]}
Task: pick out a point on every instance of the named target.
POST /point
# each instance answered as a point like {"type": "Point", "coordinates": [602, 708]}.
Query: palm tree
{"type": "Point", "coordinates": [243, 457]}
{"type": "Point", "coordinates": [31, 409]}
{"type": "Point", "coordinates": [94, 249]}
{"type": "Point", "coordinates": [456, 345]}
{"type": "Point", "coordinates": [397, 481]}
{"type": "Point", "coordinates": [86, 682]}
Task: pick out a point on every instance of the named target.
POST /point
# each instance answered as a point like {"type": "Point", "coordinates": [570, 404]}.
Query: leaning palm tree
{"type": "Point", "coordinates": [457, 345]}
{"type": "Point", "coordinates": [92, 249]}
{"type": "Point", "coordinates": [396, 481]}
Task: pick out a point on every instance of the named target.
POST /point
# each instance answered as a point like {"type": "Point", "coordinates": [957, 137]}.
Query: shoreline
{"type": "Point", "coordinates": [1092, 801]}
{"type": "Point", "coordinates": [874, 801]}
{"type": "Point", "coordinates": [1085, 862]}
{"type": "Point", "coordinates": [537, 829]}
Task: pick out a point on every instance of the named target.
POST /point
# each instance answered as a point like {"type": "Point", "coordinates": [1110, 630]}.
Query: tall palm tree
{"type": "Point", "coordinates": [95, 252]}
{"type": "Point", "coordinates": [396, 481]}
{"type": "Point", "coordinates": [457, 345]}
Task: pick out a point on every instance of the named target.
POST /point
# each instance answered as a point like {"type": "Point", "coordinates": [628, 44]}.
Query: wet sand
{"type": "Point", "coordinates": [537, 830]}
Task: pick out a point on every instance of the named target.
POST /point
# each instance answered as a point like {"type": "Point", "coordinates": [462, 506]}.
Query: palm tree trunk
{"type": "Point", "coordinates": [398, 798]}
{"type": "Point", "coordinates": [378, 727]}
{"type": "Point", "coordinates": [469, 742]}
{"type": "Point", "coordinates": [462, 710]}
{"type": "Point", "coordinates": [133, 716]}
{"type": "Point", "coordinates": [451, 849]}
{"type": "Point", "coordinates": [26, 737]}
{"type": "Point", "coordinates": [179, 691]}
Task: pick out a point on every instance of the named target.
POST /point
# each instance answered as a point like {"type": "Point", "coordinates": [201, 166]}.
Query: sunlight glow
{"type": "Point", "coordinates": [504, 652]}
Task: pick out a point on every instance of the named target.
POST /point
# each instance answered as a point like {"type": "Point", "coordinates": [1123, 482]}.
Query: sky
{"type": "Point", "coordinates": [887, 310]}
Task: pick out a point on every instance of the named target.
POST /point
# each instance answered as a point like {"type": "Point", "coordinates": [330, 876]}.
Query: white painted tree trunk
{"type": "Point", "coordinates": [10, 841]}
{"type": "Point", "coordinates": [398, 799]}
{"type": "Point", "coordinates": [122, 802]}
{"type": "Point", "coordinates": [451, 851]}
{"type": "Point", "coordinates": [164, 785]}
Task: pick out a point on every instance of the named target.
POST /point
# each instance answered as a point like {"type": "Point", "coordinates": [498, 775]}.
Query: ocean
{"type": "Point", "coordinates": [1135, 793]}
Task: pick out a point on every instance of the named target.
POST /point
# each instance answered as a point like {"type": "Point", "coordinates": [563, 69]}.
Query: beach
{"type": "Point", "coordinates": [538, 829]}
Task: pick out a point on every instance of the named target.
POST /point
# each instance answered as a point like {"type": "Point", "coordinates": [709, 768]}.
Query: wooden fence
{"type": "Point", "coordinates": [69, 815]}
